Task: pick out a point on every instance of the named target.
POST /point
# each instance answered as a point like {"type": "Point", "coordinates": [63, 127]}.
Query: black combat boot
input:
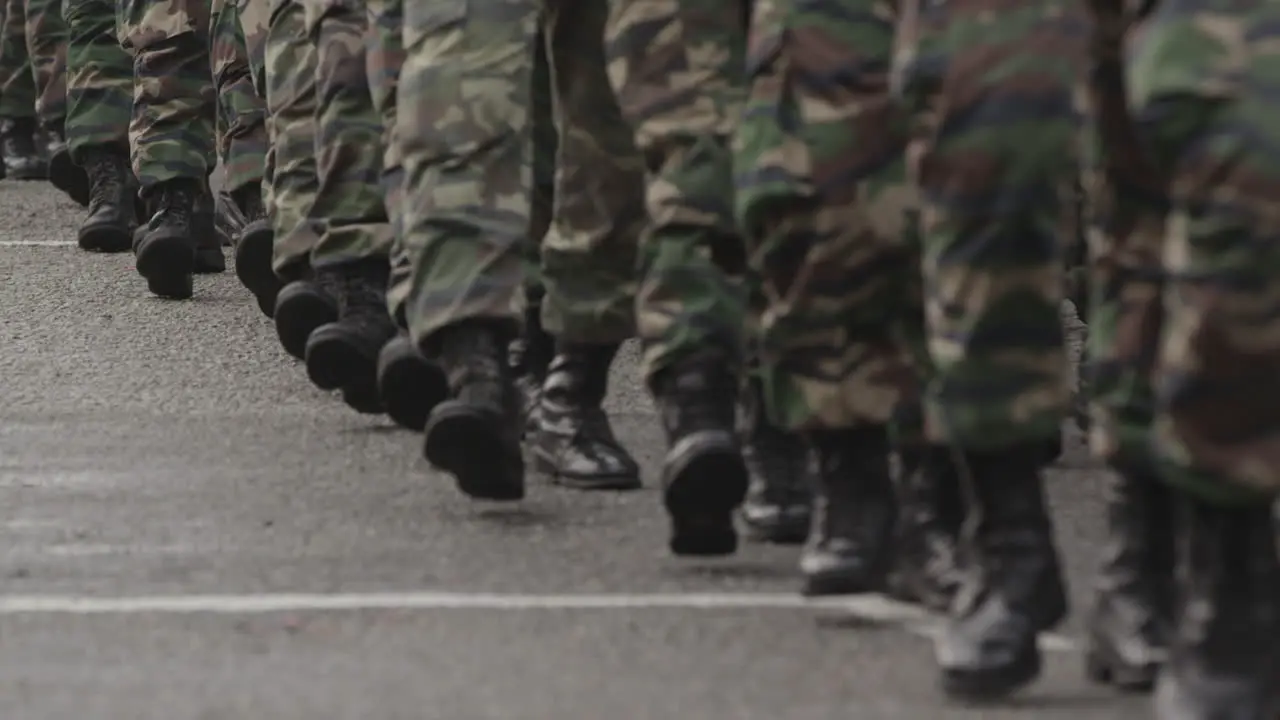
{"type": "Point", "coordinates": [344, 354]}
{"type": "Point", "coordinates": [209, 257]}
{"type": "Point", "coordinates": [574, 444]}
{"type": "Point", "coordinates": [409, 384]}
{"type": "Point", "coordinates": [704, 477]}
{"type": "Point", "coordinates": [1224, 661]}
{"type": "Point", "coordinates": [64, 173]}
{"type": "Point", "coordinates": [850, 546]}
{"type": "Point", "coordinates": [475, 435]}
{"type": "Point", "coordinates": [529, 357]}
{"type": "Point", "coordinates": [165, 248]}
{"type": "Point", "coordinates": [1128, 631]}
{"type": "Point", "coordinates": [780, 467]}
{"type": "Point", "coordinates": [253, 250]}
{"type": "Point", "coordinates": [111, 221]}
{"type": "Point", "coordinates": [303, 305]}
{"type": "Point", "coordinates": [930, 513]}
{"type": "Point", "coordinates": [1013, 588]}
{"type": "Point", "coordinates": [23, 159]}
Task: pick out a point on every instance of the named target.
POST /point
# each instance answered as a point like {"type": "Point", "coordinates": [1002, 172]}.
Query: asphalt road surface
{"type": "Point", "coordinates": [190, 531]}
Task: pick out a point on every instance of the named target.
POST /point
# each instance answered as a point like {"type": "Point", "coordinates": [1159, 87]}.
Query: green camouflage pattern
{"type": "Point", "coordinates": [824, 202]}
{"type": "Point", "coordinates": [546, 144]}
{"type": "Point", "coordinates": [383, 61]}
{"type": "Point", "coordinates": [348, 134]}
{"type": "Point", "coordinates": [677, 69]}
{"type": "Point", "coordinates": [171, 133]}
{"type": "Point", "coordinates": [241, 118]}
{"type": "Point", "coordinates": [46, 33]}
{"type": "Point", "coordinates": [99, 80]}
{"type": "Point", "coordinates": [1186, 336]}
{"type": "Point", "coordinates": [17, 82]}
{"type": "Point", "coordinates": [290, 80]}
{"type": "Point", "coordinates": [465, 103]}
{"type": "Point", "coordinates": [990, 86]}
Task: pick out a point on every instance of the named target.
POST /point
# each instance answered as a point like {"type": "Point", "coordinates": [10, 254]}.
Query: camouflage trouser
{"type": "Point", "coordinates": [1186, 263]}
{"type": "Point", "coordinates": [823, 201]}
{"type": "Point", "coordinates": [46, 33]}
{"type": "Point", "coordinates": [17, 83]}
{"type": "Point", "coordinates": [383, 61]}
{"type": "Point", "coordinates": [238, 26]}
{"type": "Point", "coordinates": [989, 83]}
{"type": "Point", "coordinates": [290, 80]}
{"type": "Point", "coordinates": [676, 66]}
{"type": "Point", "coordinates": [99, 80]}
{"type": "Point", "coordinates": [171, 133]}
{"type": "Point", "coordinates": [546, 144]}
{"type": "Point", "coordinates": [348, 137]}
{"type": "Point", "coordinates": [465, 106]}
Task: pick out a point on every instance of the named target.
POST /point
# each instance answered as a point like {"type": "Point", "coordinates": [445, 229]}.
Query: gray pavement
{"type": "Point", "coordinates": [188, 530]}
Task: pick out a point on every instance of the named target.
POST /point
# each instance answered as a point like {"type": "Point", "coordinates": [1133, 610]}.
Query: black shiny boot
{"type": "Point", "coordinates": [931, 512]}
{"type": "Point", "coordinates": [1013, 588]}
{"type": "Point", "coordinates": [1128, 630]}
{"type": "Point", "coordinates": [302, 306]}
{"type": "Point", "coordinates": [209, 257]}
{"type": "Point", "coordinates": [780, 494]}
{"type": "Point", "coordinates": [165, 248]}
{"type": "Point", "coordinates": [704, 477]}
{"type": "Point", "coordinates": [111, 222]}
{"type": "Point", "coordinates": [344, 354]}
{"type": "Point", "coordinates": [253, 250]}
{"type": "Point", "coordinates": [574, 444]}
{"type": "Point", "coordinates": [854, 513]}
{"type": "Point", "coordinates": [1224, 661]}
{"type": "Point", "coordinates": [22, 157]}
{"type": "Point", "coordinates": [409, 384]}
{"type": "Point", "coordinates": [475, 435]}
{"type": "Point", "coordinates": [530, 357]}
{"type": "Point", "coordinates": [64, 174]}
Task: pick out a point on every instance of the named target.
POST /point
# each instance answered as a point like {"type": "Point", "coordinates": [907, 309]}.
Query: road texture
{"type": "Point", "coordinates": [190, 531]}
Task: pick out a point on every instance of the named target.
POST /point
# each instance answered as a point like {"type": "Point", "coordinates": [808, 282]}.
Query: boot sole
{"type": "Point", "coordinates": [104, 239]}
{"type": "Point", "coordinates": [363, 398]}
{"type": "Point", "coordinates": [546, 467]}
{"type": "Point", "coordinates": [781, 532]}
{"type": "Point", "coordinates": [839, 583]}
{"type": "Point", "coordinates": [297, 315]}
{"type": "Point", "coordinates": [69, 178]}
{"type": "Point", "coordinates": [410, 387]}
{"type": "Point", "coordinates": [468, 444]}
{"type": "Point", "coordinates": [253, 268]}
{"type": "Point", "coordinates": [1103, 668]}
{"type": "Point", "coordinates": [210, 261]}
{"type": "Point", "coordinates": [167, 262]}
{"type": "Point", "coordinates": [706, 481]}
{"type": "Point", "coordinates": [27, 175]}
{"type": "Point", "coordinates": [987, 685]}
{"type": "Point", "coordinates": [333, 361]}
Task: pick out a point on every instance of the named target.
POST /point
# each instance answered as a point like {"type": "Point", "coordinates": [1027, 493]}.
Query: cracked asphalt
{"type": "Point", "coordinates": [152, 449]}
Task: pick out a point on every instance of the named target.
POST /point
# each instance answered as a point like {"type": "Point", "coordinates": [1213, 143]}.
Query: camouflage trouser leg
{"type": "Point", "coordinates": [463, 111]}
{"type": "Point", "coordinates": [1187, 361]}
{"type": "Point", "coordinates": [990, 82]}
{"type": "Point", "coordinates": [589, 256]}
{"type": "Point", "coordinates": [171, 133]}
{"type": "Point", "coordinates": [46, 33]}
{"type": "Point", "coordinates": [823, 200]}
{"type": "Point", "coordinates": [290, 80]}
{"type": "Point", "coordinates": [384, 59]}
{"type": "Point", "coordinates": [17, 83]}
{"type": "Point", "coordinates": [99, 80]}
{"type": "Point", "coordinates": [348, 135]}
{"type": "Point", "coordinates": [677, 66]}
{"type": "Point", "coordinates": [546, 145]}
{"type": "Point", "coordinates": [242, 132]}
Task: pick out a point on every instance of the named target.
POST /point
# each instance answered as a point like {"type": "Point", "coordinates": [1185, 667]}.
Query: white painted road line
{"type": "Point", "coordinates": [37, 243]}
{"type": "Point", "coordinates": [870, 608]}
